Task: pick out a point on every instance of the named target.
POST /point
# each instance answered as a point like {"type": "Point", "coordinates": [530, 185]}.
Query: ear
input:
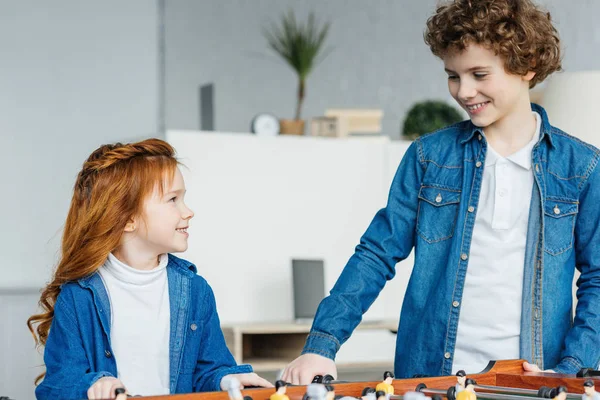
{"type": "Point", "coordinates": [528, 76]}
{"type": "Point", "coordinates": [130, 226]}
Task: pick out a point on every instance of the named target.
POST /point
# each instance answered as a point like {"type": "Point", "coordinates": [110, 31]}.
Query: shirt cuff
{"type": "Point", "coordinates": [568, 365]}
{"type": "Point", "coordinates": [322, 344]}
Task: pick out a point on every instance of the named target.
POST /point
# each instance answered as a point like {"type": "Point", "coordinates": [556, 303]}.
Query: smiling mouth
{"type": "Point", "coordinates": [476, 107]}
{"type": "Point", "coordinates": [182, 230]}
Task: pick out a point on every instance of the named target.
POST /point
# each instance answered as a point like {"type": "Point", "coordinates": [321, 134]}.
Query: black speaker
{"type": "Point", "coordinates": [207, 107]}
{"type": "Point", "coordinates": [309, 288]}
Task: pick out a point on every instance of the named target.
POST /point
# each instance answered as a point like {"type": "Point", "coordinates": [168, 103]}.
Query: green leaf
{"type": "Point", "coordinates": [429, 116]}
{"type": "Point", "coordinates": [299, 44]}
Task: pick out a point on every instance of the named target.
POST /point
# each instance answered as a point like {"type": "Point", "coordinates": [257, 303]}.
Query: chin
{"type": "Point", "coordinates": [180, 249]}
{"type": "Point", "coordinates": [481, 122]}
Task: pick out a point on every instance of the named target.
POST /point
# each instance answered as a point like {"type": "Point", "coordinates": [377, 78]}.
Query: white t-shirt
{"type": "Point", "coordinates": [489, 325]}
{"type": "Point", "coordinates": [140, 325]}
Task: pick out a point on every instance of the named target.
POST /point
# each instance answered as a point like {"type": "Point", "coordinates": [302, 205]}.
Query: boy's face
{"type": "Point", "coordinates": [479, 83]}
{"type": "Point", "coordinates": [166, 219]}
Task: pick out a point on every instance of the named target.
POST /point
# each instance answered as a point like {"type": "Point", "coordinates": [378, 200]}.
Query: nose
{"type": "Point", "coordinates": [187, 212]}
{"type": "Point", "coordinates": [466, 90]}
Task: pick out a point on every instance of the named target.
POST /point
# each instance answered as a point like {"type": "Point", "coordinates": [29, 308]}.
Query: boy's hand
{"type": "Point", "coordinates": [534, 368]}
{"type": "Point", "coordinates": [249, 379]}
{"type": "Point", "coordinates": [104, 388]}
{"type": "Point", "coordinates": [303, 369]}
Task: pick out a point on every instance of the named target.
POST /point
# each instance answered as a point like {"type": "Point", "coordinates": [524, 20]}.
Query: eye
{"type": "Point", "coordinates": [480, 75]}
{"type": "Point", "coordinates": [173, 199]}
{"type": "Point", "coordinates": [452, 77]}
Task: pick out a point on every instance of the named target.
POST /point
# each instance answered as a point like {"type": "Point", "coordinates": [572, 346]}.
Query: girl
{"type": "Point", "coordinates": [120, 311]}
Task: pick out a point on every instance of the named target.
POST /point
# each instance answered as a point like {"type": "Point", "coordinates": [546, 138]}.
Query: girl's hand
{"type": "Point", "coordinates": [104, 388]}
{"type": "Point", "coordinates": [533, 368]}
{"type": "Point", "coordinates": [249, 379]}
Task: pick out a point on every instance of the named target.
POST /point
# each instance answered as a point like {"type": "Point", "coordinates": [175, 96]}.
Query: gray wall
{"type": "Point", "coordinates": [73, 75]}
{"type": "Point", "coordinates": [379, 58]}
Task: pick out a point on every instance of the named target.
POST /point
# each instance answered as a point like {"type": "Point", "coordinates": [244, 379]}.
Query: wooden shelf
{"type": "Point", "coordinates": [271, 346]}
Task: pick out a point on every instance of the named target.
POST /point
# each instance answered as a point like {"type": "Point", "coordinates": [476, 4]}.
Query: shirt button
{"type": "Point", "coordinates": [193, 327]}
{"type": "Point", "coordinates": [556, 210]}
{"type": "Point", "coordinates": [537, 168]}
{"type": "Point", "coordinates": [107, 354]}
{"type": "Point", "coordinates": [447, 355]}
{"type": "Point", "coordinates": [455, 303]}
{"type": "Point", "coordinates": [479, 137]}
{"type": "Point", "coordinates": [478, 164]}
{"type": "Point", "coordinates": [471, 209]}
{"type": "Point", "coordinates": [463, 256]}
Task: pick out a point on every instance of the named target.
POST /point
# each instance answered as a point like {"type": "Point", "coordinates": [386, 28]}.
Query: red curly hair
{"type": "Point", "coordinates": [109, 190]}
{"type": "Point", "coordinates": [517, 30]}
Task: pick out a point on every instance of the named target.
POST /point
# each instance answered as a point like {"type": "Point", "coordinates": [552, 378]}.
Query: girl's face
{"type": "Point", "coordinates": [163, 228]}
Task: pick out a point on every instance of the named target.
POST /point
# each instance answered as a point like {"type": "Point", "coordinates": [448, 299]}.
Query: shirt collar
{"type": "Point", "coordinates": [469, 130]}
{"type": "Point", "coordinates": [126, 274]}
{"type": "Point", "coordinates": [522, 157]}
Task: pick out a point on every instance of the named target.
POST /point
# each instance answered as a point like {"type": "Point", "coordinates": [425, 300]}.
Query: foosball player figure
{"type": "Point", "coordinates": [561, 393]}
{"type": "Point", "coordinates": [233, 386]}
{"type": "Point", "coordinates": [120, 394]}
{"type": "Point", "coordinates": [469, 392]}
{"type": "Point", "coordinates": [461, 377]}
{"type": "Point", "coordinates": [280, 389]}
{"type": "Point", "coordinates": [315, 391]}
{"type": "Point", "coordinates": [368, 393]}
{"type": "Point", "coordinates": [386, 384]}
{"type": "Point", "coordinates": [381, 395]}
{"type": "Point", "coordinates": [330, 395]}
{"type": "Point", "coordinates": [589, 389]}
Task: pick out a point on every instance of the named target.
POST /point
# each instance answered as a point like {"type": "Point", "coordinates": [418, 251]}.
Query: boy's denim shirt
{"type": "Point", "coordinates": [429, 208]}
{"type": "Point", "coordinates": [78, 351]}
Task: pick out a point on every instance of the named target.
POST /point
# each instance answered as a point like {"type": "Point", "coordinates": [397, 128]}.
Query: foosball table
{"type": "Point", "coordinates": [501, 380]}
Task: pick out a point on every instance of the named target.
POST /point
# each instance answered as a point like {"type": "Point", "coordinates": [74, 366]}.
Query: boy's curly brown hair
{"type": "Point", "coordinates": [517, 30]}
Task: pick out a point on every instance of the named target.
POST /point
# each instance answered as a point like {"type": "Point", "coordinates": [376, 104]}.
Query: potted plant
{"type": "Point", "coordinates": [300, 45]}
{"type": "Point", "coordinates": [429, 116]}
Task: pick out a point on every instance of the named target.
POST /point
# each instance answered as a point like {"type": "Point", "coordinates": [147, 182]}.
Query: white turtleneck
{"type": "Point", "coordinates": [140, 324]}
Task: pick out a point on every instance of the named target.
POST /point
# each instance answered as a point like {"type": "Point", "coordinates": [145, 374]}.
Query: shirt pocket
{"type": "Point", "coordinates": [559, 224]}
{"type": "Point", "coordinates": [437, 212]}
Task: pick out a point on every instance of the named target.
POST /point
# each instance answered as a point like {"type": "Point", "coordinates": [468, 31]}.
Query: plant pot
{"type": "Point", "coordinates": [291, 126]}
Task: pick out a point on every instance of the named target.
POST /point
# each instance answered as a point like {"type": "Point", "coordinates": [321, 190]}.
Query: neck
{"type": "Point", "coordinates": [136, 258]}
{"type": "Point", "coordinates": [512, 132]}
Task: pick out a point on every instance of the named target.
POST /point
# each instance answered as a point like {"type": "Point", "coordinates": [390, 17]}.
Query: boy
{"type": "Point", "coordinates": [501, 209]}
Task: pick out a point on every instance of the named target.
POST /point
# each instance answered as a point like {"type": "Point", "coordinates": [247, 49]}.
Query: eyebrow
{"type": "Point", "coordinates": [477, 68]}
{"type": "Point", "coordinates": [175, 192]}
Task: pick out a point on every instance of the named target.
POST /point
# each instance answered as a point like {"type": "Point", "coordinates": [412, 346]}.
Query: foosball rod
{"type": "Point", "coordinates": [521, 392]}
{"type": "Point", "coordinates": [480, 395]}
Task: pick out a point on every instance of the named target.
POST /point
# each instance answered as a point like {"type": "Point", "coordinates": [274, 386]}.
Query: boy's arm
{"type": "Point", "coordinates": [388, 240]}
{"type": "Point", "coordinates": [68, 373]}
{"type": "Point", "coordinates": [582, 343]}
{"type": "Point", "coordinates": [214, 358]}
